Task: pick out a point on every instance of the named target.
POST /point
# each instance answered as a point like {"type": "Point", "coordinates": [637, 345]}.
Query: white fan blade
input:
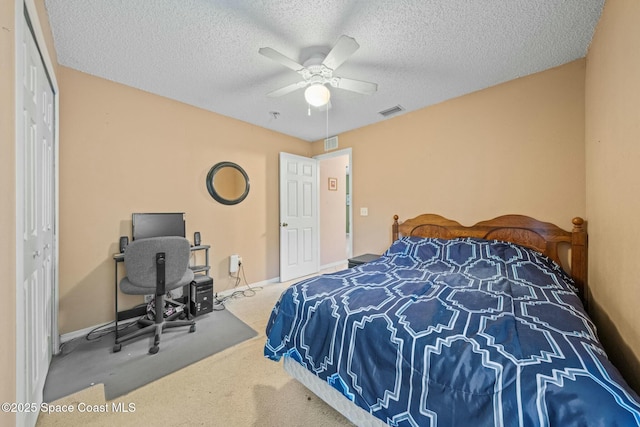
{"type": "Point", "coordinates": [287, 89]}
{"type": "Point", "coordinates": [365, 88]}
{"type": "Point", "coordinates": [278, 57]}
{"type": "Point", "coordinates": [343, 49]}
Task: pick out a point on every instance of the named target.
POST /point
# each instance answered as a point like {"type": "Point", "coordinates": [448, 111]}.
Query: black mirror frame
{"type": "Point", "coordinates": [212, 191]}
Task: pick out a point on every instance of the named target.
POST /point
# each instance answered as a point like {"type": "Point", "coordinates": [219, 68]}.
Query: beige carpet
{"type": "Point", "coordinates": [236, 387]}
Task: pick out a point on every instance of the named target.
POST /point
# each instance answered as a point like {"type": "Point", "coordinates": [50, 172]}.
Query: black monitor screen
{"type": "Point", "coordinates": [145, 225]}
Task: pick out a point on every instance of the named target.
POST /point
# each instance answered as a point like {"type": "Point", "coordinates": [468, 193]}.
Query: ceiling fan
{"type": "Point", "coordinates": [317, 72]}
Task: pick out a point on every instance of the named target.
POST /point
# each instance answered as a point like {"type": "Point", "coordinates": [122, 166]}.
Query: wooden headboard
{"type": "Point", "coordinates": [541, 236]}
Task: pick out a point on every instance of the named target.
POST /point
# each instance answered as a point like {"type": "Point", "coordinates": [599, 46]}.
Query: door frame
{"type": "Point", "coordinates": [28, 8]}
{"type": "Point", "coordinates": [339, 153]}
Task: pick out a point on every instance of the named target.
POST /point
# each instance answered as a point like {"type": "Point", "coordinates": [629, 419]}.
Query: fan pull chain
{"type": "Point", "coordinates": [327, 122]}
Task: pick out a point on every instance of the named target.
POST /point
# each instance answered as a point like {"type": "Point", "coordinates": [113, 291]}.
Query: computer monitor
{"type": "Point", "coordinates": [145, 225]}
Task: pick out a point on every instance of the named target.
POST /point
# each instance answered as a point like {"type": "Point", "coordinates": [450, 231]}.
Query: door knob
{"type": "Point", "coordinates": [284, 224]}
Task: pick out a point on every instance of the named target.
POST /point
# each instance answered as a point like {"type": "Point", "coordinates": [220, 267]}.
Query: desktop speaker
{"type": "Point", "coordinates": [196, 238]}
{"type": "Point", "coordinates": [201, 295]}
{"type": "Point", "coordinates": [124, 241]}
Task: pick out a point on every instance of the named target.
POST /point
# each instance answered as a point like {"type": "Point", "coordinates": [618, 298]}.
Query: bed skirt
{"type": "Point", "coordinates": [330, 395]}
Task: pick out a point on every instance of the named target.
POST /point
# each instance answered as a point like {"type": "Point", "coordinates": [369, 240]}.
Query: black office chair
{"type": "Point", "coordinates": [156, 266]}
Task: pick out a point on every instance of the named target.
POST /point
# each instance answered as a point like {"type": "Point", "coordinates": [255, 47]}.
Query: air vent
{"type": "Point", "coordinates": [391, 111]}
{"type": "Point", "coordinates": [331, 143]}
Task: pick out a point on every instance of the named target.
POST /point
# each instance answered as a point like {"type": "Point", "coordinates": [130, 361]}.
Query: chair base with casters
{"type": "Point", "coordinates": [155, 327]}
{"type": "Point", "coordinates": [160, 324]}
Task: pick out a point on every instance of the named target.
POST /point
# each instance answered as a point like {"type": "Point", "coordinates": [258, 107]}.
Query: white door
{"type": "Point", "coordinates": [36, 303]}
{"type": "Point", "coordinates": [299, 233]}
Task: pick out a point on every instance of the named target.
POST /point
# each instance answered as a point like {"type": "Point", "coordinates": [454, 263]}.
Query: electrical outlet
{"type": "Point", "coordinates": [234, 263]}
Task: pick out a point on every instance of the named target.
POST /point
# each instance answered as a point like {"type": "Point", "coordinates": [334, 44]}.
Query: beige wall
{"type": "Point", "coordinates": [613, 182]}
{"type": "Point", "coordinates": [122, 151]}
{"type": "Point", "coordinates": [513, 148]}
{"type": "Point", "coordinates": [7, 207]}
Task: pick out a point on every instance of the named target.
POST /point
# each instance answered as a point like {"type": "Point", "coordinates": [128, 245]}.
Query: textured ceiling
{"type": "Point", "coordinates": [419, 52]}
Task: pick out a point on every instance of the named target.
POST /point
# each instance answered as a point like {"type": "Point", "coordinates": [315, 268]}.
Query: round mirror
{"type": "Point", "coordinates": [228, 183]}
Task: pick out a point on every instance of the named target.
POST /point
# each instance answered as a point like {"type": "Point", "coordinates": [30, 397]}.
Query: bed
{"type": "Point", "coordinates": [456, 326]}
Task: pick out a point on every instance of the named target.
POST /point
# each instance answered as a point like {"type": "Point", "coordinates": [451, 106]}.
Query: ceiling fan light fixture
{"type": "Point", "coordinates": [317, 95]}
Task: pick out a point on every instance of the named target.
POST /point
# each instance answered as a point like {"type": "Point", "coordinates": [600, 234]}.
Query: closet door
{"type": "Point", "coordinates": [35, 300]}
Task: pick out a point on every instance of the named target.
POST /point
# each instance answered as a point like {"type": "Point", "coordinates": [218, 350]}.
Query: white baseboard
{"type": "Point", "coordinates": [80, 333]}
{"type": "Point", "coordinates": [83, 332]}
{"type": "Point", "coordinates": [334, 264]}
{"type": "Point", "coordinates": [228, 292]}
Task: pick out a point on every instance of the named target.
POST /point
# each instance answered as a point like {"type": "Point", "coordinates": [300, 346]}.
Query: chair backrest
{"type": "Point", "coordinates": [140, 260]}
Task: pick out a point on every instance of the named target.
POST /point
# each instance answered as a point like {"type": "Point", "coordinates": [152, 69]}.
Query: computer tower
{"type": "Point", "coordinates": [201, 295]}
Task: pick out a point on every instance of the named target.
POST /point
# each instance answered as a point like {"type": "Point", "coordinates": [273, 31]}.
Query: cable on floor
{"type": "Point", "coordinates": [108, 328]}
{"type": "Point", "coordinates": [249, 292]}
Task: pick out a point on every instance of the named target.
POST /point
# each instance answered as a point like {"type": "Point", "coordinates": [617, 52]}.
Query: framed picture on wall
{"type": "Point", "coordinates": [333, 184]}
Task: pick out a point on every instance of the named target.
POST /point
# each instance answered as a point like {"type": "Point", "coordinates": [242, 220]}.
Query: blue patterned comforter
{"type": "Point", "coordinates": [462, 332]}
